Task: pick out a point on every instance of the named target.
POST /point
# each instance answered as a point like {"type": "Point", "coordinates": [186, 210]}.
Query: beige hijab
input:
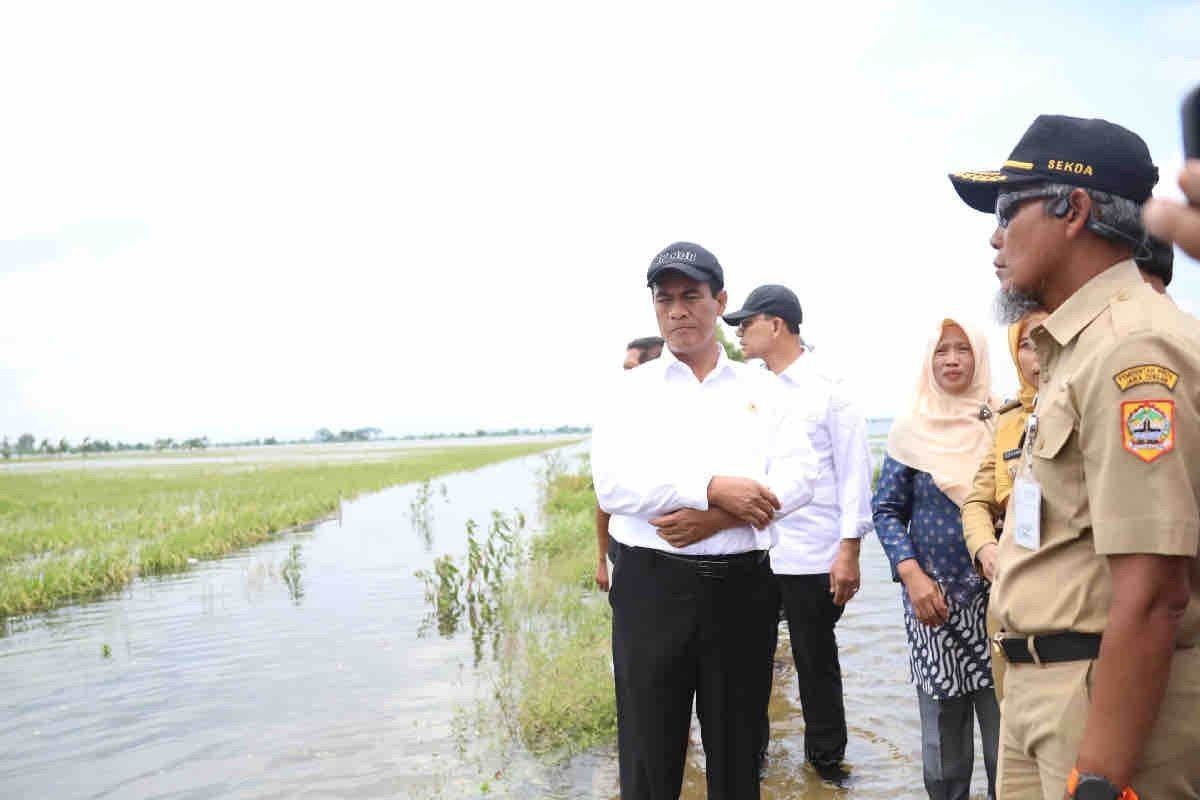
{"type": "Point", "coordinates": [942, 433]}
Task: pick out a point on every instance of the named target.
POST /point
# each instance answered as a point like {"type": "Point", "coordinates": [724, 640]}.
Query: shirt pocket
{"type": "Point", "coordinates": [1058, 467]}
{"type": "Point", "coordinates": [1055, 427]}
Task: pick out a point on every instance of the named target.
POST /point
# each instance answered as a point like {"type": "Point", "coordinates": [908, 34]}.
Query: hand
{"type": "Point", "coordinates": [748, 500]}
{"type": "Point", "coordinates": [986, 556]}
{"type": "Point", "coordinates": [602, 574]}
{"type": "Point", "coordinates": [685, 526]}
{"type": "Point", "coordinates": [844, 575]}
{"type": "Point", "coordinates": [928, 602]}
{"type": "Point", "coordinates": [1171, 221]}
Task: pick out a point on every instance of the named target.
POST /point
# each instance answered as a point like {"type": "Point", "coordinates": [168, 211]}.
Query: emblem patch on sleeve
{"type": "Point", "coordinates": [1146, 373]}
{"type": "Point", "coordinates": [1148, 428]}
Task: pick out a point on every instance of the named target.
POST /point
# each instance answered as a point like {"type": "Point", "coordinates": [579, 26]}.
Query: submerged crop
{"type": "Point", "coordinates": [75, 535]}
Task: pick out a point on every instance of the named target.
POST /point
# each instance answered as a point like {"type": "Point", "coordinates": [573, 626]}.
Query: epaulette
{"type": "Point", "coordinates": [1130, 314]}
{"type": "Point", "coordinates": [1009, 406]}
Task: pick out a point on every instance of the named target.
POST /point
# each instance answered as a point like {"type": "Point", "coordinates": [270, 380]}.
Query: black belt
{"type": "Point", "coordinates": [716, 567]}
{"type": "Point", "coordinates": [1051, 648]}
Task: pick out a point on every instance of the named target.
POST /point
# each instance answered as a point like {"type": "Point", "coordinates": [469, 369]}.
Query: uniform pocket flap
{"type": "Point", "coordinates": [1054, 429]}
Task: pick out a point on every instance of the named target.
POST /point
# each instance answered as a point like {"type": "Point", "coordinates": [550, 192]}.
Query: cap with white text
{"type": "Point", "coordinates": [689, 259]}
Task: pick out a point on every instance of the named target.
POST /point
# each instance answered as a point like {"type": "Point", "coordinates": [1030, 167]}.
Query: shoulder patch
{"type": "Point", "coordinates": [1146, 373]}
{"type": "Point", "coordinates": [1148, 428]}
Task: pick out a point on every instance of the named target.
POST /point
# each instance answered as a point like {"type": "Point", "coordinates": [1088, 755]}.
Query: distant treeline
{"type": "Point", "coordinates": [27, 444]}
{"type": "Point", "coordinates": [480, 432]}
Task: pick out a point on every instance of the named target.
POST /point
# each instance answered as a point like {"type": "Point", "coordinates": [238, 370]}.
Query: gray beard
{"type": "Point", "coordinates": [1011, 305]}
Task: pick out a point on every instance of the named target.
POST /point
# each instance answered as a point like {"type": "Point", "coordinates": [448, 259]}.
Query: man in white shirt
{"type": "Point", "coordinates": [694, 457]}
{"type": "Point", "coordinates": [816, 560]}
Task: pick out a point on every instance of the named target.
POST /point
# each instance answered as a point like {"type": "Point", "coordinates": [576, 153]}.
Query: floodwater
{"type": "Point", "coordinates": [305, 668]}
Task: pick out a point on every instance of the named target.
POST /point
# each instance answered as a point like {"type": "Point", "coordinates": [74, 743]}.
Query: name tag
{"type": "Point", "coordinates": [1027, 511]}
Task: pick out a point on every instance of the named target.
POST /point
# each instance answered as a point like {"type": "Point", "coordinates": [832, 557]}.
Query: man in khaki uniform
{"type": "Point", "coordinates": [1097, 589]}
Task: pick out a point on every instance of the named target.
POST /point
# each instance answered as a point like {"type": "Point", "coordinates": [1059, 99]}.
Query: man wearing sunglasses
{"type": "Point", "coordinates": [816, 561]}
{"type": "Point", "coordinates": [1097, 586]}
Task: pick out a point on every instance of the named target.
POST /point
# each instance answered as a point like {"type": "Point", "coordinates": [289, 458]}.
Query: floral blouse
{"type": "Point", "coordinates": [913, 519]}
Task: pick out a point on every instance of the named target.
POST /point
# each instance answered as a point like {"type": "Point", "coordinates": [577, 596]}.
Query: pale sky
{"type": "Point", "coordinates": [258, 219]}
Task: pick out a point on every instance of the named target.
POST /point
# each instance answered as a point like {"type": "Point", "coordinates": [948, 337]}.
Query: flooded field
{"type": "Point", "coordinates": [334, 452]}
{"type": "Point", "coordinates": [305, 667]}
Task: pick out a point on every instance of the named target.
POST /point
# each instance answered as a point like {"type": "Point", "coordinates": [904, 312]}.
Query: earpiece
{"type": "Point", "coordinates": [1062, 206]}
{"type": "Point", "coordinates": [1141, 249]}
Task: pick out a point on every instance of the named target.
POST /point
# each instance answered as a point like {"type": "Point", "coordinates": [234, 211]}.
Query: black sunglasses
{"type": "Point", "coordinates": [1008, 204]}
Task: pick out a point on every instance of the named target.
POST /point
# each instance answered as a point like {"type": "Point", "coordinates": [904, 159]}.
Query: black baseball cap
{"type": "Point", "coordinates": [691, 260]}
{"type": "Point", "coordinates": [1091, 153]}
{"type": "Point", "coordinates": [1160, 261]}
{"type": "Point", "coordinates": [778, 301]}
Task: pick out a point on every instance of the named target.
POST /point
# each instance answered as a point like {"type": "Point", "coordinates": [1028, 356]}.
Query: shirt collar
{"type": "Point", "coordinates": [796, 371]}
{"type": "Point", "coordinates": [671, 364]}
{"type": "Point", "coordinates": [1069, 319]}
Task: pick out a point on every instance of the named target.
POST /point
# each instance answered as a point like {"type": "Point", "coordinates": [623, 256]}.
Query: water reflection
{"type": "Point", "coordinates": [421, 510]}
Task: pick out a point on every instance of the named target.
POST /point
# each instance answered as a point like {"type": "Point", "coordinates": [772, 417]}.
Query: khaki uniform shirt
{"type": "Point", "coordinates": [983, 510]}
{"type": "Point", "coordinates": [1117, 454]}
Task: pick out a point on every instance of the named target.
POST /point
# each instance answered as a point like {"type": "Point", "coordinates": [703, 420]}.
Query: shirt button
{"type": "Point", "coordinates": [1123, 294]}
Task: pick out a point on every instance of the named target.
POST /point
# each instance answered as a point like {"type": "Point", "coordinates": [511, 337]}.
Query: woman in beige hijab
{"type": "Point", "coordinates": [933, 452]}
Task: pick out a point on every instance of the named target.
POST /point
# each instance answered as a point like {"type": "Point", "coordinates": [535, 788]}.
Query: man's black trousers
{"type": "Point", "coordinates": [682, 629]}
{"type": "Point", "coordinates": [811, 616]}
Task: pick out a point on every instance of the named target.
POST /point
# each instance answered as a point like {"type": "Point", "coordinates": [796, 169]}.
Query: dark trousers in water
{"type": "Point", "coordinates": [681, 630]}
{"type": "Point", "coordinates": [811, 617]}
{"type": "Point", "coordinates": [948, 742]}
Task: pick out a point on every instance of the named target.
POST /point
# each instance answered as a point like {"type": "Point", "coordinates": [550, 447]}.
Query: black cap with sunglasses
{"type": "Point", "coordinates": [778, 301]}
{"type": "Point", "coordinates": [1090, 153]}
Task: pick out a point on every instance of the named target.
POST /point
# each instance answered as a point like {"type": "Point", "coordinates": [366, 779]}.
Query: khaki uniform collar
{"type": "Point", "coordinates": [1069, 319]}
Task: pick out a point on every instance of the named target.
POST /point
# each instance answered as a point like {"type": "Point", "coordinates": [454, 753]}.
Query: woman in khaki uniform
{"type": "Point", "coordinates": [983, 511]}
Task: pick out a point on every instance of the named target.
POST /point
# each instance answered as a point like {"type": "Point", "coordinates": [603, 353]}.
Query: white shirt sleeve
{"type": "Point", "coordinates": [792, 467]}
{"type": "Point", "coordinates": [852, 466]}
{"type": "Point", "coordinates": [637, 475]}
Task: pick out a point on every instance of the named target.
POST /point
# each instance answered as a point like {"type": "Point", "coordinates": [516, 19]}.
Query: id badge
{"type": "Point", "coordinates": [1027, 508]}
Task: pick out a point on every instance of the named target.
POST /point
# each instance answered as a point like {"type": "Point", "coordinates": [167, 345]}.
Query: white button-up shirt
{"type": "Point", "coordinates": [808, 538]}
{"type": "Point", "coordinates": [665, 435]}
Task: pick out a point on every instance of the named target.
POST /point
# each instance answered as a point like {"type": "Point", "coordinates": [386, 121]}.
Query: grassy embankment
{"type": "Point", "coordinates": [560, 664]}
{"type": "Point", "coordinates": [72, 535]}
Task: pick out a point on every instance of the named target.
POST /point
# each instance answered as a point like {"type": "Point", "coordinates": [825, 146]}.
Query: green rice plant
{"type": "Point", "coordinates": [73, 535]}
{"type": "Point", "coordinates": [476, 592]}
{"type": "Point", "coordinates": [290, 572]}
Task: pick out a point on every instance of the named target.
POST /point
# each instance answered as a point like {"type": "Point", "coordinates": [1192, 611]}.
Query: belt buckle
{"type": "Point", "coordinates": [998, 644]}
{"type": "Point", "coordinates": [716, 570]}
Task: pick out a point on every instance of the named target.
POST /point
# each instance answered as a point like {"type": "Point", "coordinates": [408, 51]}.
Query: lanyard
{"type": "Point", "coordinates": [1031, 432]}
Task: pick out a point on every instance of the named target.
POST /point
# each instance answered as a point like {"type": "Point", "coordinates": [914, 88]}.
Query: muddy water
{"type": "Point", "coordinates": [299, 669]}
